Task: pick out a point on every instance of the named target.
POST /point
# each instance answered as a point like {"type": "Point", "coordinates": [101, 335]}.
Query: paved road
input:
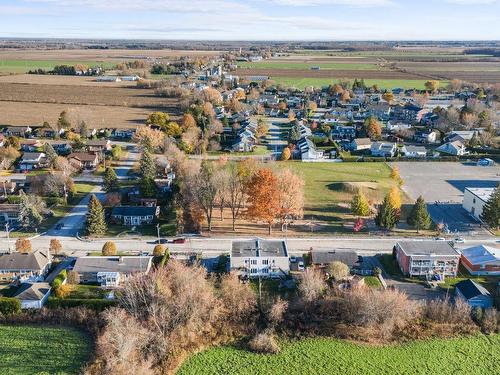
{"type": "Point", "coordinates": [276, 137]}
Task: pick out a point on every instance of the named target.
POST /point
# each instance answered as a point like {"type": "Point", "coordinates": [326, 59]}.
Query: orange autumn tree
{"type": "Point", "coordinates": [291, 197]}
{"type": "Point", "coordinates": [263, 197]}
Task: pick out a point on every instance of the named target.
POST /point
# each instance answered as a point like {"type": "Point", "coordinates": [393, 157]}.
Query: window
{"type": "Point", "coordinates": [473, 200]}
{"type": "Point", "coordinates": [254, 261]}
{"type": "Point", "coordinates": [265, 262]}
{"type": "Point", "coordinates": [253, 270]}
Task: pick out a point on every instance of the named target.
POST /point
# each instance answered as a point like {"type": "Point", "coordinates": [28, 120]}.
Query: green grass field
{"type": "Point", "coordinates": [472, 356]}
{"type": "Point", "coordinates": [301, 83]}
{"type": "Point", "coordinates": [23, 66]}
{"type": "Point", "coordinates": [301, 66]}
{"type": "Point", "coordinates": [26, 350]}
{"type": "Point", "coordinates": [324, 189]}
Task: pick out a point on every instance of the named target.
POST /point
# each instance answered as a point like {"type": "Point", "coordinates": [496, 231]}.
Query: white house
{"type": "Point", "coordinates": [33, 295]}
{"type": "Point", "coordinates": [456, 148]}
{"type": "Point", "coordinates": [383, 149]}
{"type": "Point", "coordinates": [475, 199]}
{"type": "Point", "coordinates": [32, 160]}
{"type": "Point", "coordinates": [24, 267]}
{"type": "Point", "coordinates": [260, 258]}
{"type": "Point", "coordinates": [359, 144]}
{"type": "Point", "coordinates": [308, 150]}
{"type": "Point", "coordinates": [414, 151]}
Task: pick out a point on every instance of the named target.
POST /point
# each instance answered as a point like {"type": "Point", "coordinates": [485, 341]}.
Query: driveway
{"type": "Point", "coordinates": [122, 167]}
{"type": "Point", "coordinates": [277, 135]}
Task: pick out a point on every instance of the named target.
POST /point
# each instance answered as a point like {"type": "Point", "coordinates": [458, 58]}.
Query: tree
{"type": "Point", "coordinates": [23, 245]}
{"type": "Point", "coordinates": [158, 250]}
{"type": "Point", "coordinates": [204, 188]}
{"type": "Point", "coordinates": [491, 210]}
{"type": "Point", "coordinates": [83, 129]}
{"type": "Point", "coordinates": [388, 96]}
{"type": "Point", "coordinates": [73, 277]}
{"type": "Point", "coordinates": [373, 128]}
{"type": "Point", "coordinates": [312, 285]}
{"type": "Point", "coordinates": [63, 121]}
{"type": "Point", "coordinates": [149, 138]}
{"type": "Point", "coordinates": [263, 197]}
{"type": "Point", "coordinates": [432, 85]}
{"type": "Point", "coordinates": [50, 154]}
{"type": "Point", "coordinates": [286, 154]}
{"type": "Point", "coordinates": [395, 198]}
{"type": "Point", "coordinates": [160, 119]}
{"type": "Point", "coordinates": [262, 128]}
{"type": "Point", "coordinates": [96, 223]}
{"type": "Point", "coordinates": [109, 249]}
{"type": "Point", "coordinates": [55, 246]}
{"type": "Point", "coordinates": [291, 196]}
{"type": "Point", "coordinates": [172, 129]}
{"type": "Point", "coordinates": [396, 176]}
{"type": "Point", "coordinates": [148, 188]}
{"type": "Point", "coordinates": [9, 306]}
{"type": "Point", "coordinates": [31, 209]}
{"type": "Point", "coordinates": [112, 199]}
{"type": "Point", "coordinates": [236, 189]}
{"type": "Point", "coordinates": [338, 270]}
{"type": "Point", "coordinates": [387, 215]}
{"type": "Point", "coordinates": [147, 166]}
{"type": "Point", "coordinates": [294, 134]}
{"type": "Point", "coordinates": [165, 258]}
{"type": "Point", "coordinates": [359, 204]}
{"type": "Point", "coordinates": [419, 217]}
{"type": "Point", "coordinates": [188, 121]}
{"type": "Point", "coordinates": [110, 180]}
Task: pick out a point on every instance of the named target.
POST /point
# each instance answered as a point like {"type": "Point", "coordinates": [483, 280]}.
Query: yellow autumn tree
{"type": "Point", "coordinates": [395, 198]}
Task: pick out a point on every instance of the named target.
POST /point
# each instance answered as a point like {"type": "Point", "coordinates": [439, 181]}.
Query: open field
{"type": "Point", "coordinates": [37, 79]}
{"type": "Point", "coordinates": [23, 66]}
{"type": "Point", "coordinates": [301, 83]}
{"type": "Point", "coordinates": [474, 355]}
{"type": "Point", "coordinates": [26, 350]}
{"type": "Point", "coordinates": [301, 65]}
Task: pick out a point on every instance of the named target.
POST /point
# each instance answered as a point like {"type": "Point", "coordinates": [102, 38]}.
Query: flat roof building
{"type": "Point", "coordinates": [260, 258]}
{"type": "Point", "coordinates": [475, 199]}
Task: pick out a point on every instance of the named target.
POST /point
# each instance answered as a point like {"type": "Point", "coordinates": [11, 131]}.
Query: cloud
{"type": "Point", "coordinates": [353, 3]}
{"type": "Point", "coordinates": [473, 2]}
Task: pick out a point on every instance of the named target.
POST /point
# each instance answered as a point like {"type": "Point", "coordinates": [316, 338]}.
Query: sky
{"type": "Point", "coordinates": [252, 19]}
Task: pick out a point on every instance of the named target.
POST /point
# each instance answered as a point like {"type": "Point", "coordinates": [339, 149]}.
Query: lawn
{"type": "Point", "coordinates": [474, 355]}
{"type": "Point", "coordinates": [489, 283]}
{"type": "Point", "coordinates": [390, 265]}
{"type": "Point", "coordinates": [301, 83]}
{"type": "Point", "coordinates": [326, 183]}
{"type": "Point", "coordinates": [372, 282]}
{"type": "Point", "coordinates": [23, 66]}
{"type": "Point", "coordinates": [36, 350]}
{"type": "Point", "coordinates": [301, 66]}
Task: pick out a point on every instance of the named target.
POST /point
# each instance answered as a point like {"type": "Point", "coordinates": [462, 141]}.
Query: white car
{"type": "Point", "coordinates": [301, 266]}
{"type": "Point", "coordinates": [460, 240]}
{"type": "Point", "coordinates": [440, 239]}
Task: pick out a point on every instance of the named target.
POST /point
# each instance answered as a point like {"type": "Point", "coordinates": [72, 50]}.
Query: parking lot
{"type": "Point", "coordinates": [442, 185]}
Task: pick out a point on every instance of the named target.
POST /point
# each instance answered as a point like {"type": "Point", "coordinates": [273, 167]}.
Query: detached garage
{"type": "Point", "coordinates": [474, 294]}
{"type": "Point", "coordinates": [33, 295]}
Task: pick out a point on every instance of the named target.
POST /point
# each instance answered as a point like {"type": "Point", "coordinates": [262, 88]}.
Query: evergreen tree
{"type": "Point", "coordinates": [148, 188]}
{"type": "Point", "coordinates": [387, 216]}
{"type": "Point", "coordinates": [147, 165]}
{"type": "Point", "coordinates": [294, 135]}
{"type": "Point", "coordinates": [30, 210]}
{"type": "Point", "coordinates": [491, 210]}
{"type": "Point", "coordinates": [359, 204]}
{"type": "Point", "coordinates": [110, 180]}
{"type": "Point", "coordinates": [50, 154]}
{"type": "Point", "coordinates": [419, 217]}
{"type": "Point", "coordinates": [96, 222]}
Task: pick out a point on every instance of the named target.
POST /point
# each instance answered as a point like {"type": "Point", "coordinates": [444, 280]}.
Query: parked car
{"type": "Point", "coordinates": [293, 259]}
{"type": "Point", "coordinates": [301, 266]}
{"type": "Point", "coordinates": [161, 241]}
{"type": "Point", "coordinates": [179, 240]}
{"type": "Point", "coordinates": [59, 226]}
{"type": "Point", "coordinates": [440, 239]}
{"type": "Point", "coordinates": [459, 240]}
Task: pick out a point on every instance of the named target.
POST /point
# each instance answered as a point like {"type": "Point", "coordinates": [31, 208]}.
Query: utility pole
{"type": "Point", "coordinates": [8, 235]}
{"type": "Point", "coordinates": [158, 231]}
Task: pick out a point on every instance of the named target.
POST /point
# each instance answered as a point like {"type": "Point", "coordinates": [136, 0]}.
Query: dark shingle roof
{"type": "Point", "coordinates": [23, 261]}
{"type": "Point", "coordinates": [427, 248]}
{"type": "Point", "coordinates": [471, 289]}
{"type": "Point", "coordinates": [32, 291]}
{"type": "Point", "coordinates": [125, 264]}
{"type": "Point", "coordinates": [133, 211]}
{"type": "Point", "coordinates": [325, 257]}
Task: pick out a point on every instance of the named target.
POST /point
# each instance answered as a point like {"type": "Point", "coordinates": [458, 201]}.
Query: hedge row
{"type": "Point", "coordinates": [95, 304]}
{"type": "Point", "coordinates": [9, 306]}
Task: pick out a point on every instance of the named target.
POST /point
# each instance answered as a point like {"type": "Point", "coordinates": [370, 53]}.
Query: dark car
{"type": "Point", "coordinates": [59, 226]}
{"type": "Point", "coordinates": [179, 240]}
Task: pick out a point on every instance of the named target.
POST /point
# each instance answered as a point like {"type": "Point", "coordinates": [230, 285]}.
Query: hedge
{"type": "Point", "coordinates": [59, 279]}
{"type": "Point", "coordinates": [9, 306]}
{"type": "Point", "coordinates": [95, 304]}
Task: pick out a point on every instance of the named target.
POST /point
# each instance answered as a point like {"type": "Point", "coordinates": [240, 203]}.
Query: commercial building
{"type": "Point", "coordinates": [475, 199]}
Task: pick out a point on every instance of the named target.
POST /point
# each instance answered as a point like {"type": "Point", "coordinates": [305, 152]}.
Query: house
{"type": "Point", "coordinates": [2, 140]}
{"type": "Point", "coordinates": [30, 145]}
{"type": "Point", "coordinates": [62, 148]}
{"type": "Point", "coordinates": [245, 141]}
{"type": "Point", "coordinates": [359, 144]}
{"type": "Point", "coordinates": [84, 160]}
{"type": "Point", "coordinates": [308, 150]}
{"type": "Point", "coordinates": [322, 259]}
{"type": "Point", "coordinates": [463, 136]}
{"type": "Point", "coordinates": [475, 199]}
{"type": "Point", "coordinates": [429, 136]}
{"type": "Point", "coordinates": [475, 294]}
{"type": "Point", "coordinates": [17, 131]}
{"type": "Point", "coordinates": [9, 214]}
{"type": "Point", "coordinates": [414, 151]}
{"type": "Point", "coordinates": [123, 133]}
{"type": "Point", "coordinates": [99, 145]}
{"type": "Point", "coordinates": [481, 260]}
{"type": "Point", "coordinates": [110, 271]}
{"type": "Point", "coordinates": [108, 79]}
{"type": "Point", "coordinates": [32, 160]}
{"type": "Point", "coordinates": [430, 259]}
{"type": "Point", "coordinates": [134, 215]}
{"type": "Point", "coordinates": [455, 148]}
{"type": "Point", "coordinates": [344, 132]}
{"type": "Point", "coordinates": [383, 149]}
{"type": "Point", "coordinates": [33, 295]}
{"type": "Point", "coordinates": [24, 267]}
{"type": "Point", "coordinates": [397, 126]}
{"type": "Point", "coordinates": [260, 258]}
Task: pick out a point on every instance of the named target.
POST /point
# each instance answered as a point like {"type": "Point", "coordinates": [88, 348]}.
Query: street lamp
{"type": "Point", "coordinates": [158, 231]}
{"type": "Point", "coordinates": [8, 234]}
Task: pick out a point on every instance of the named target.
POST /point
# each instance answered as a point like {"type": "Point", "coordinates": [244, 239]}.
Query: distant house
{"type": "Point", "coordinates": [359, 144]}
{"type": "Point", "coordinates": [123, 133]}
{"type": "Point", "coordinates": [134, 215]}
{"type": "Point", "coordinates": [2, 140]}
{"type": "Point", "coordinates": [383, 149]}
{"type": "Point", "coordinates": [245, 141]}
{"type": "Point", "coordinates": [455, 148]}
{"type": "Point", "coordinates": [429, 136]}
{"type": "Point", "coordinates": [30, 145]}
{"type": "Point", "coordinates": [110, 271]}
{"type": "Point", "coordinates": [396, 126]}
{"type": "Point", "coordinates": [473, 293]}
{"type": "Point", "coordinates": [463, 136]}
{"type": "Point", "coordinates": [100, 145]}
{"type": "Point", "coordinates": [32, 160]}
{"type": "Point", "coordinates": [33, 295]}
{"type": "Point", "coordinates": [9, 214]}
{"type": "Point", "coordinates": [344, 132]}
{"type": "Point", "coordinates": [475, 199]}
{"type": "Point", "coordinates": [430, 259]}
{"type": "Point", "coordinates": [17, 131]}
{"type": "Point", "coordinates": [62, 148]}
{"type": "Point", "coordinates": [84, 160]}
{"type": "Point", "coordinates": [6, 188]}
{"type": "Point", "coordinates": [481, 260]}
{"type": "Point", "coordinates": [414, 151]}
{"type": "Point", "coordinates": [260, 258]}
{"type": "Point", "coordinates": [308, 150]}
{"type": "Point", "coordinates": [108, 79]}
{"type": "Point", "coordinates": [24, 267]}
{"type": "Point", "coordinates": [322, 259]}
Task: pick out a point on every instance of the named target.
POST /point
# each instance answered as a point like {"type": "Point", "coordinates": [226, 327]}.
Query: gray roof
{"type": "Point", "coordinates": [259, 248]}
{"type": "Point", "coordinates": [325, 257]}
{"type": "Point", "coordinates": [427, 248]}
{"type": "Point", "coordinates": [125, 264]}
{"type": "Point", "coordinates": [24, 261]}
{"type": "Point", "coordinates": [32, 291]}
{"type": "Point", "coordinates": [133, 211]}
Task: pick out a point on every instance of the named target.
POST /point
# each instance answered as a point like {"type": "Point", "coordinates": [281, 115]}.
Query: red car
{"type": "Point", "coordinates": [179, 240]}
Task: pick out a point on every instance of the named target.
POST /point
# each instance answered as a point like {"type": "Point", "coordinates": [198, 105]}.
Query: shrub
{"type": "Point", "coordinates": [91, 303]}
{"type": "Point", "coordinates": [109, 248]}
{"type": "Point", "coordinates": [264, 342]}
{"type": "Point", "coordinates": [443, 311]}
{"type": "Point", "coordinates": [338, 270]}
{"type": "Point", "coordinates": [9, 306]}
{"type": "Point", "coordinates": [73, 278]}
{"type": "Point", "coordinates": [55, 246]}
{"type": "Point", "coordinates": [490, 322]}
{"type": "Point", "coordinates": [158, 250]}
{"type": "Point", "coordinates": [59, 279]}
{"type": "Point", "coordinates": [312, 285]}
{"type": "Point", "coordinates": [63, 291]}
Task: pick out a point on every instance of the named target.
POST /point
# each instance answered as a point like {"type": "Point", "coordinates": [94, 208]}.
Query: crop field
{"type": "Point", "coordinates": [37, 79]}
{"type": "Point", "coordinates": [26, 350]}
{"type": "Point", "coordinates": [23, 66]}
{"type": "Point", "coordinates": [299, 65]}
{"type": "Point", "coordinates": [472, 356]}
{"type": "Point", "coordinates": [301, 83]}
{"type": "Point", "coordinates": [99, 106]}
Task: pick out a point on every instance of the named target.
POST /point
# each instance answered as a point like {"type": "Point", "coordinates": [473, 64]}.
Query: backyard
{"type": "Point", "coordinates": [27, 350]}
{"type": "Point", "coordinates": [472, 355]}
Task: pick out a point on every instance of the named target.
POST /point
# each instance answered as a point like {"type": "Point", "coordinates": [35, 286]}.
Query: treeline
{"type": "Point", "coordinates": [483, 51]}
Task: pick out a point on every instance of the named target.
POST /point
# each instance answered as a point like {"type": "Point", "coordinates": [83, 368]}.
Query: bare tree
{"type": "Point", "coordinates": [204, 188]}
{"type": "Point", "coordinates": [312, 285]}
{"type": "Point", "coordinates": [235, 191]}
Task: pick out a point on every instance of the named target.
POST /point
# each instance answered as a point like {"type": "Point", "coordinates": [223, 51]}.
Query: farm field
{"type": "Point", "coordinates": [474, 355]}
{"type": "Point", "coordinates": [26, 350]}
{"type": "Point", "coordinates": [301, 83]}
{"type": "Point", "coordinates": [37, 79]}
{"type": "Point", "coordinates": [290, 64]}
{"type": "Point", "coordinates": [23, 66]}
